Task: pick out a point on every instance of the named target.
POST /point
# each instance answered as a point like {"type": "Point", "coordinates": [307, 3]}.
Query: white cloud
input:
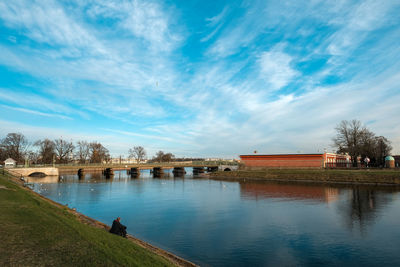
{"type": "Point", "coordinates": [35, 112]}
{"type": "Point", "coordinates": [131, 70]}
{"type": "Point", "coordinates": [364, 18]}
{"type": "Point", "coordinates": [46, 22]}
{"type": "Point", "coordinates": [217, 22]}
{"type": "Point", "coordinates": [276, 68]}
{"type": "Point", "coordinates": [144, 19]}
{"type": "Point", "coordinates": [37, 102]}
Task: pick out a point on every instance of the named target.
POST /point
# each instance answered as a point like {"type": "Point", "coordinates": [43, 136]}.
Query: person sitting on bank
{"type": "Point", "coordinates": [118, 228]}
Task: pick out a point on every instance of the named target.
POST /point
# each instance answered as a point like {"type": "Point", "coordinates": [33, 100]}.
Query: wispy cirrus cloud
{"type": "Point", "coordinates": [254, 75]}
{"type": "Point", "coordinates": [143, 19]}
{"type": "Point", "coordinates": [39, 113]}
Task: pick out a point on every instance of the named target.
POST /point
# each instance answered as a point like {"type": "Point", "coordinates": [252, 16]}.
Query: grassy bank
{"type": "Point", "coordinates": [362, 176]}
{"type": "Point", "coordinates": [35, 232]}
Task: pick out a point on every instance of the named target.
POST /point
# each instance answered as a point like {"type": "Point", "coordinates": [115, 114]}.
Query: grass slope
{"type": "Point", "coordinates": [367, 176]}
{"type": "Point", "coordinates": [34, 232]}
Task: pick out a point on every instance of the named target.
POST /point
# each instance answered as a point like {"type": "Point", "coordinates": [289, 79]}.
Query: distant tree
{"type": "Point", "coordinates": [83, 151]}
{"type": "Point", "coordinates": [138, 153]}
{"type": "Point", "coordinates": [33, 157]}
{"type": "Point", "coordinates": [168, 157]}
{"type": "Point", "coordinates": [357, 140]}
{"type": "Point", "coordinates": [3, 155]}
{"type": "Point", "coordinates": [63, 149]}
{"type": "Point", "coordinates": [163, 157]}
{"type": "Point", "coordinates": [15, 145]}
{"type": "Point", "coordinates": [46, 151]}
{"type": "Point", "coordinates": [98, 153]}
{"type": "Point", "coordinates": [158, 157]}
{"type": "Point", "coordinates": [381, 149]}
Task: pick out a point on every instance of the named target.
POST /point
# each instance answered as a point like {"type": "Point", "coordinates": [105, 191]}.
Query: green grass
{"type": "Point", "coordinates": [367, 176]}
{"type": "Point", "coordinates": [34, 232]}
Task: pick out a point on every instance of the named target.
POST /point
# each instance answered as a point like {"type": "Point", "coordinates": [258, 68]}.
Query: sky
{"type": "Point", "coordinates": [199, 78]}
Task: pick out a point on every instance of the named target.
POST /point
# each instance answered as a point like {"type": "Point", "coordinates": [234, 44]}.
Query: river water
{"type": "Point", "coordinates": [219, 223]}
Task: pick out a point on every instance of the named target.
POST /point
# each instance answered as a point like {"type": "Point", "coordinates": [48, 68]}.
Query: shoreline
{"type": "Point", "coordinates": [320, 176]}
{"type": "Point", "coordinates": [82, 218]}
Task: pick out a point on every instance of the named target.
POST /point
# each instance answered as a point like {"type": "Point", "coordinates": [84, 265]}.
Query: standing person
{"type": "Point", "coordinates": [366, 161]}
{"type": "Point", "coordinates": [118, 228]}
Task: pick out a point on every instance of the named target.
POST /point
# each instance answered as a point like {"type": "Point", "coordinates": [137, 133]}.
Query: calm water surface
{"type": "Point", "coordinates": [215, 223]}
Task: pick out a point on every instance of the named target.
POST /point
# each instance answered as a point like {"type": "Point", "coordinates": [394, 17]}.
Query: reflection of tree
{"type": "Point", "coordinates": [363, 206]}
{"type": "Point", "coordinates": [96, 176]}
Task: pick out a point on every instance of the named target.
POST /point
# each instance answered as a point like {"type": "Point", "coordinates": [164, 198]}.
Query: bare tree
{"type": "Point", "coordinates": [168, 157]}
{"type": "Point", "coordinates": [3, 154]}
{"type": "Point", "coordinates": [159, 156]}
{"type": "Point", "coordinates": [138, 153]}
{"type": "Point", "coordinates": [83, 151]}
{"type": "Point", "coordinates": [33, 157]}
{"type": "Point", "coordinates": [356, 140]}
{"type": "Point", "coordinates": [63, 149]}
{"type": "Point", "coordinates": [381, 148]}
{"type": "Point", "coordinates": [163, 157]}
{"type": "Point", "coordinates": [15, 145]}
{"type": "Point", "coordinates": [98, 153]}
{"type": "Point", "coordinates": [46, 151]}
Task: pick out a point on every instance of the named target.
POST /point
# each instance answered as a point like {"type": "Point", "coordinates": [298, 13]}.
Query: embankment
{"type": "Point", "coordinates": [36, 231]}
{"type": "Point", "coordinates": [362, 176]}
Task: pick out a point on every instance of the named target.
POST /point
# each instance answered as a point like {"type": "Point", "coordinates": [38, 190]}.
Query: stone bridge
{"type": "Point", "coordinates": [47, 171]}
{"type": "Point", "coordinates": [228, 167]}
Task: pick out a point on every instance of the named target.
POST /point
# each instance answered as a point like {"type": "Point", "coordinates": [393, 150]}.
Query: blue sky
{"type": "Point", "coordinates": [199, 78]}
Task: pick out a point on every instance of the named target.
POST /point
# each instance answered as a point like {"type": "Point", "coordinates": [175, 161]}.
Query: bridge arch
{"type": "Point", "coordinates": [37, 174]}
{"type": "Point", "coordinates": [227, 170]}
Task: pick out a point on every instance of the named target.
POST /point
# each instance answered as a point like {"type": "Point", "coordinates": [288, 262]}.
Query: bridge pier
{"type": "Point", "coordinates": [158, 172]}
{"type": "Point", "coordinates": [179, 171]}
{"type": "Point", "coordinates": [198, 170]}
{"type": "Point", "coordinates": [134, 172]}
{"type": "Point", "coordinates": [108, 173]}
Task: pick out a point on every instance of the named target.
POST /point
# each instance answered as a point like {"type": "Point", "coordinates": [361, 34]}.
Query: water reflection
{"type": "Point", "coordinates": [363, 205]}
{"type": "Point", "coordinates": [288, 191]}
{"type": "Point", "coordinates": [45, 180]}
{"type": "Point", "coordinates": [219, 223]}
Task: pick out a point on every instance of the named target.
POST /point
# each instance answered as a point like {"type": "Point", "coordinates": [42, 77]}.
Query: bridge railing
{"type": "Point", "coordinates": [154, 164]}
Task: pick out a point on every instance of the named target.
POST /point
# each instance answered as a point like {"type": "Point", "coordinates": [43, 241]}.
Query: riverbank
{"type": "Point", "coordinates": [38, 231]}
{"type": "Point", "coordinates": [362, 176]}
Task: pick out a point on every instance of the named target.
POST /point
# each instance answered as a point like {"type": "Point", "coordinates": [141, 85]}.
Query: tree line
{"type": "Point", "coordinates": [46, 151]}
{"type": "Point", "coordinates": [358, 141]}
{"type": "Point", "coordinates": [60, 151]}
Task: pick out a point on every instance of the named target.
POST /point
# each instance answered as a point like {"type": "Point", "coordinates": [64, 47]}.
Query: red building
{"type": "Point", "coordinates": [323, 160]}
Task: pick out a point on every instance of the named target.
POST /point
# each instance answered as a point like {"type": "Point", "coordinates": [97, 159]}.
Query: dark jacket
{"type": "Point", "coordinates": [118, 228]}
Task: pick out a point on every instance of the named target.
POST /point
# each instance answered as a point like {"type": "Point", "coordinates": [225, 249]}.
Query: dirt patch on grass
{"type": "Point", "coordinates": [6, 188]}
